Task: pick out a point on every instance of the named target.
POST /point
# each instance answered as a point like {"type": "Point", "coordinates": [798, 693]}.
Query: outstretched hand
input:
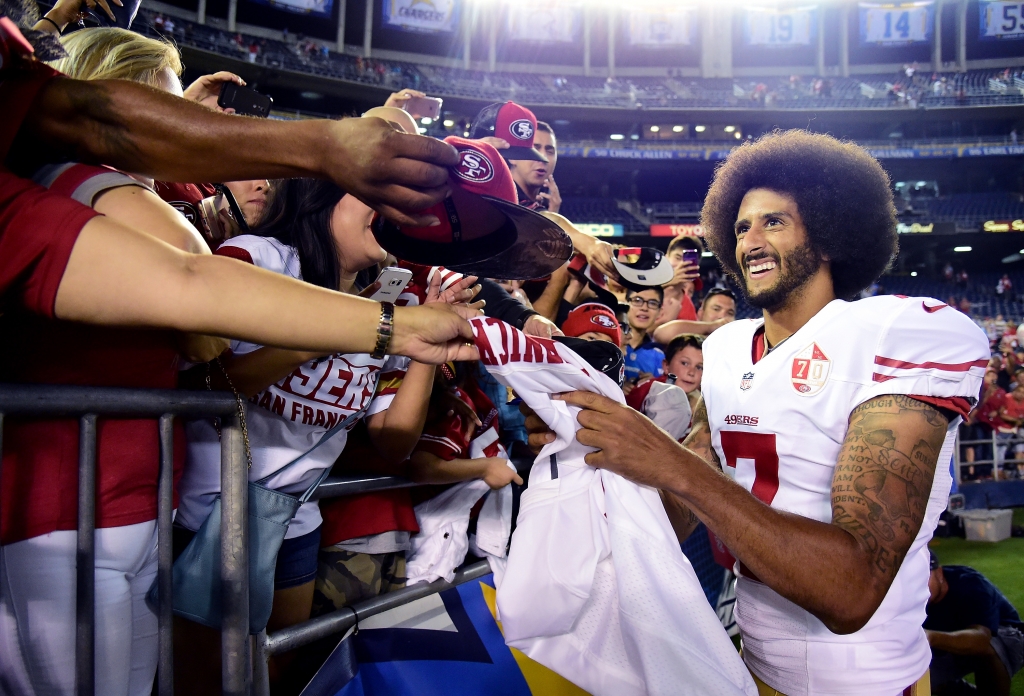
{"type": "Point", "coordinates": [397, 174]}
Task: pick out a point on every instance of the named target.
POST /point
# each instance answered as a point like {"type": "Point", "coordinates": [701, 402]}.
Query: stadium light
{"type": "Point", "coordinates": [708, 253]}
{"type": "Point", "coordinates": [426, 120]}
{"type": "Point", "coordinates": [634, 136]}
{"type": "Point", "coordinates": [738, 136]}
{"type": "Point", "coordinates": [421, 131]}
{"type": "Point", "coordinates": [699, 129]}
{"type": "Point", "coordinates": [730, 129]}
{"type": "Point", "coordinates": [962, 248]}
{"type": "Point", "coordinates": [913, 274]}
{"type": "Point", "coordinates": [448, 123]}
{"type": "Point", "coordinates": [1022, 251]}
{"type": "Point", "coordinates": [677, 129]}
{"type": "Point", "coordinates": [655, 129]}
{"type": "Point", "coordinates": [616, 136]}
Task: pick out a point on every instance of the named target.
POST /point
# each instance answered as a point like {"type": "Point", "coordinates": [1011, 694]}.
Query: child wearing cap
{"type": "Point", "coordinates": [594, 322]}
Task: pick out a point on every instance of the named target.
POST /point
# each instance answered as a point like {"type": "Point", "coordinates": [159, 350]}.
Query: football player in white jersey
{"type": "Point", "coordinates": [828, 425]}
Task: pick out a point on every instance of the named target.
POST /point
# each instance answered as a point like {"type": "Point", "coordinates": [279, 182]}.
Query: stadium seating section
{"type": "Point", "coordinates": [974, 88]}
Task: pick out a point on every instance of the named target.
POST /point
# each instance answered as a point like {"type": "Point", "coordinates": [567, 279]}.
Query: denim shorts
{"type": "Point", "coordinates": [296, 561]}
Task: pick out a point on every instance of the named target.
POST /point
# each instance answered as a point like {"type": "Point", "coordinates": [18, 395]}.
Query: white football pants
{"type": "Point", "coordinates": [37, 613]}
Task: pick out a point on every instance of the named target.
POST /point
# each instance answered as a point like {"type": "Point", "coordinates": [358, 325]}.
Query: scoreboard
{"type": "Point", "coordinates": [1001, 20]}
{"type": "Point", "coordinates": [896, 24]}
{"type": "Point", "coordinates": [764, 26]}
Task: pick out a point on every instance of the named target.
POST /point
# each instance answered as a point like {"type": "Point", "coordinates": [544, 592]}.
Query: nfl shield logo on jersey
{"type": "Point", "coordinates": [810, 370]}
{"type": "Point", "coordinates": [748, 377]}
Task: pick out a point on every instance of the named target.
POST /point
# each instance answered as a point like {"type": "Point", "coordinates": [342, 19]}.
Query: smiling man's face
{"type": "Point", "coordinates": [772, 248]}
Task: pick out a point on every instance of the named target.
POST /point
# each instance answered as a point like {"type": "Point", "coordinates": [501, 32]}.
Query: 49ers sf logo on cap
{"type": "Point", "coordinates": [603, 320]}
{"type": "Point", "coordinates": [522, 129]}
{"type": "Point", "coordinates": [474, 167]}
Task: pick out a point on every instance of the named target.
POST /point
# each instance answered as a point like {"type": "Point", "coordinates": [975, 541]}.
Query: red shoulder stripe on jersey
{"type": "Point", "coordinates": [236, 253]}
{"type": "Point", "coordinates": [881, 378]}
{"type": "Point", "coordinates": [948, 367]}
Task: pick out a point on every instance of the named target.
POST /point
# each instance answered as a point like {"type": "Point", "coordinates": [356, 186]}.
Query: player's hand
{"type": "Point", "coordinates": [628, 442]}
{"type": "Point", "coordinates": [538, 433]}
{"type": "Point", "coordinates": [397, 174]}
{"type": "Point", "coordinates": [541, 327]}
{"type": "Point", "coordinates": [206, 89]}
{"type": "Point", "coordinates": [553, 197]}
{"type": "Point", "coordinates": [498, 474]}
{"type": "Point", "coordinates": [433, 334]}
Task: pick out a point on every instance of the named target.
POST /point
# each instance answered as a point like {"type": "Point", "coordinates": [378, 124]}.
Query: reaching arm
{"type": "Point", "coordinates": [140, 129]}
{"type": "Point", "coordinates": [838, 571]}
{"type": "Point", "coordinates": [677, 327]}
{"type": "Point", "coordinates": [549, 301]}
{"type": "Point", "coordinates": [117, 276]}
{"type": "Point", "coordinates": [425, 467]}
{"type": "Point", "coordinates": [396, 431]}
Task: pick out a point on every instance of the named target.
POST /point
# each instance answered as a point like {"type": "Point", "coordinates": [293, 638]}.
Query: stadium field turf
{"type": "Point", "coordinates": [1001, 562]}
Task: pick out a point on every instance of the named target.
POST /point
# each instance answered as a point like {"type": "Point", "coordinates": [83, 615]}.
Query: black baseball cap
{"type": "Point", "coordinates": [603, 356]}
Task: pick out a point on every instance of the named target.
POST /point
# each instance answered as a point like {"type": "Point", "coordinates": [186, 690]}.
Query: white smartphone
{"type": "Point", "coordinates": [392, 282]}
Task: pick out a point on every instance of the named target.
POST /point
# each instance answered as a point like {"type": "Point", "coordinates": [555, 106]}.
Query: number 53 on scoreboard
{"type": "Point", "coordinates": [896, 24]}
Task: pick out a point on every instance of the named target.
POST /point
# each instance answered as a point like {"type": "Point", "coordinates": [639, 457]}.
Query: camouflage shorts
{"type": "Point", "coordinates": [347, 577]}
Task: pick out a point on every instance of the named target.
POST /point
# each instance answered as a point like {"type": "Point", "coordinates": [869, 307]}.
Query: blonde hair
{"type": "Point", "coordinates": [117, 54]}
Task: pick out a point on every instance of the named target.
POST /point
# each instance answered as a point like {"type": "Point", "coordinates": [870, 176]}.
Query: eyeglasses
{"type": "Point", "coordinates": [627, 330]}
{"type": "Point", "coordinates": [639, 302]}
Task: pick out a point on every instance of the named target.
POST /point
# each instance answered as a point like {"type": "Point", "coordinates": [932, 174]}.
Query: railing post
{"type": "Point", "coordinates": [165, 557]}
{"type": "Point", "coordinates": [85, 560]}
{"type": "Point", "coordinates": [261, 666]}
{"type": "Point", "coordinates": [234, 572]}
{"type": "Point", "coordinates": [997, 459]}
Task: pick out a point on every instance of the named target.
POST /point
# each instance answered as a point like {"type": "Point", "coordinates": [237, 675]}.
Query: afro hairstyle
{"type": "Point", "coordinates": [841, 191]}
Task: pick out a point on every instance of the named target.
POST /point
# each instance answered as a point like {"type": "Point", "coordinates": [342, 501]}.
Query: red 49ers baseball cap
{"type": "Point", "coordinates": [483, 230]}
{"type": "Point", "coordinates": [593, 317]}
{"type": "Point", "coordinates": [512, 123]}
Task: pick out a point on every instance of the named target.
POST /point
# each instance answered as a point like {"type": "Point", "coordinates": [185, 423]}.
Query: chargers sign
{"type": "Point", "coordinates": [421, 15]}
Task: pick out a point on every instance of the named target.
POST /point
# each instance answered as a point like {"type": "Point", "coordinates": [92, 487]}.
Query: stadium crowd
{"type": "Point", "coordinates": [313, 269]}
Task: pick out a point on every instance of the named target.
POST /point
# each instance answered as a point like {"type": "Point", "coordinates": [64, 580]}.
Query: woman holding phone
{"type": "Point", "coordinates": [312, 231]}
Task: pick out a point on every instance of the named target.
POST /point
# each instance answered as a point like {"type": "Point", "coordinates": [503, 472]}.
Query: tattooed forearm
{"type": "Point", "coordinates": [884, 475]}
{"type": "Point", "coordinates": [699, 439]}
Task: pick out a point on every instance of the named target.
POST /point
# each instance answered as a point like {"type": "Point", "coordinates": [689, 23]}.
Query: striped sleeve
{"type": "Point", "coordinates": [445, 437]}
{"type": "Point", "coordinates": [932, 352]}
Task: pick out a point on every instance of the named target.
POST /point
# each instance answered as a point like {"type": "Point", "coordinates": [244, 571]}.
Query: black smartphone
{"type": "Point", "coordinates": [544, 202]}
{"type": "Point", "coordinates": [244, 100]}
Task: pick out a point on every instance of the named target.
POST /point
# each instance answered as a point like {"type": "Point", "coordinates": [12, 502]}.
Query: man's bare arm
{"type": "Point", "coordinates": [883, 478]}
{"type": "Point", "coordinates": [143, 130]}
{"type": "Point", "coordinates": [838, 571]}
{"type": "Point", "coordinates": [677, 327]}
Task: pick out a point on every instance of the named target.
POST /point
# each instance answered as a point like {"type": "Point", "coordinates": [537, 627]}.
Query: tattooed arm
{"type": "Point", "coordinates": [838, 571]}
{"type": "Point", "coordinates": [699, 442]}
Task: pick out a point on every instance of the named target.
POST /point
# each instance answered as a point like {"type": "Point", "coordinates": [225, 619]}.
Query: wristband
{"type": "Point", "coordinates": [55, 25]}
{"type": "Point", "coordinates": [384, 330]}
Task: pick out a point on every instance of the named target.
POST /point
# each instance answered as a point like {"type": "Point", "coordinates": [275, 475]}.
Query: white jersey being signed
{"type": "Point", "coordinates": [596, 587]}
{"type": "Point", "coordinates": [778, 424]}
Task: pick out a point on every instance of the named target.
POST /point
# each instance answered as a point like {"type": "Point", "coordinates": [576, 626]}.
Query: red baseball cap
{"type": "Point", "coordinates": [512, 123]}
{"type": "Point", "coordinates": [592, 316]}
{"type": "Point", "coordinates": [483, 230]}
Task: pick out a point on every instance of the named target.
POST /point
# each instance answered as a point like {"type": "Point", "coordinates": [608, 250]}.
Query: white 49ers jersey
{"type": "Point", "coordinates": [778, 425]}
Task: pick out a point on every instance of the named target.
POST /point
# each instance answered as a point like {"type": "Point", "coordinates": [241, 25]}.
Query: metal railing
{"type": "Point", "coordinates": [241, 673]}
{"type": "Point", "coordinates": [1001, 447]}
{"type": "Point", "coordinates": [88, 404]}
